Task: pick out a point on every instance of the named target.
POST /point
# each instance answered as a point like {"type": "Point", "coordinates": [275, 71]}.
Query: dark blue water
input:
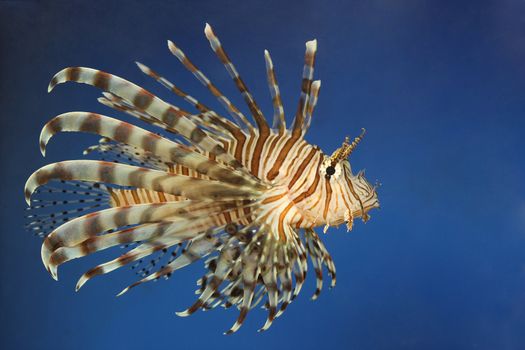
{"type": "Point", "coordinates": [440, 87]}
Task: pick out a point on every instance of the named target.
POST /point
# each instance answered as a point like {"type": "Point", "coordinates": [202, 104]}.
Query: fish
{"type": "Point", "coordinates": [241, 195]}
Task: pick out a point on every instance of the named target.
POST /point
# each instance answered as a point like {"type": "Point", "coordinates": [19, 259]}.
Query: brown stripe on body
{"type": "Point", "coordinates": [135, 196]}
{"type": "Point", "coordinates": [283, 154]}
{"type": "Point", "coordinates": [149, 198]}
{"type": "Point", "coordinates": [297, 154]}
{"type": "Point", "coordinates": [338, 189]}
{"type": "Point", "coordinates": [256, 157]}
{"type": "Point", "coordinates": [239, 147]}
{"type": "Point", "coordinates": [162, 197]}
{"type": "Point", "coordinates": [247, 151]}
{"type": "Point", "coordinates": [237, 134]}
{"type": "Point", "coordinates": [311, 190]}
{"type": "Point", "coordinates": [247, 211]}
{"type": "Point", "coordinates": [274, 143]}
{"type": "Point", "coordinates": [352, 190]}
{"type": "Point", "coordinates": [273, 198]}
{"type": "Point", "coordinates": [125, 198]}
{"type": "Point", "coordinates": [299, 222]}
{"type": "Point", "coordinates": [227, 217]}
{"type": "Point", "coordinates": [139, 196]}
{"type": "Point", "coordinates": [114, 197]}
{"type": "Point", "coordinates": [327, 199]}
{"type": "Point", "coordinates": [280, 227]}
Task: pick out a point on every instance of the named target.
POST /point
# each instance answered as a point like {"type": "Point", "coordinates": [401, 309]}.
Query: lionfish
{"type": "Point", "coordinates": [245, 197]}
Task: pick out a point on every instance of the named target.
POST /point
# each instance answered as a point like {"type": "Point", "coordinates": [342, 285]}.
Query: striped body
{"type": "Point", "coordinates": [314, 193]}
{"type": "Point", "coordinates": [247, 196]}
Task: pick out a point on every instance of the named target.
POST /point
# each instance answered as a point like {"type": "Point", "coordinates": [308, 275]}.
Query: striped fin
{"type": "Point", "coordinates": [143, 268]}
{"type": "Point", "coordinates": [124, 197]}
{"type": "Point", "coordinates": [278, 111]}
{"type": "Point", "coordinates": [50, 203]}
{"type": "Point", "coordinates": [308, 73]}
{"type": "Point", "coordinates": [79, 229]}
{"type": "Point", "coordinates": [249, 273]}
{"type": "Point", "coordinates": [120, 104]}
{"type": "Point", "coordinates": [241, 86]}
{"type": "Point", "coordinates": [132, 135]}
{"type": "Point", "coordinates": [285, 278]}
{"type": "Point", "coordinates": [232, 292]}
{"type": "Point", "coordinates": [262, 125]}
{"type": "Point", "coordinates": [318, 267]}
{"type": "Point", "coordinates": [41, 224]}
{"type": "Point", "coordinates": [249, 283]}
{"type": "Point", "coordinates": [224, 265]}
{"type": "Point", "coordinates": [228, 105]}
{"type": "Point", "coordinates": [143, 250]}
{"type": "Point", "coordinates": [95, 244]}
{"type": "Point", "coordinates": [197, 250]}
{"type": "Point", "coordinates": [46, 212]}
{"type": "Point", "coordinates": [207, 116]}
{"type": "Point", "coordinates": [127, 175]}
{"type": "Point", "coordinates": [112, 101]}
{"type": "Point", "coordinates": [312, 102]}
{"type": "Point", "coordinates": [205, 120]}
{"type": "Point", "coordinates": [170, 86]}
{"type": "Point", "coordinates": [122, 153]}
{"type": "Point", "coordinates": [175, 232]}
{"type": "Point", "coordinates": [300, 267]}
{"type": "Point", "coordinates": [327, 258]}
{"type": "Point", "coordinates": [221, 297]}
{"type": "Point", "coordinates": [258, 296]}
{"type": "Point", "coordinates": [270, 283]}
{"type": "Point", "coordinates": [146, 101]}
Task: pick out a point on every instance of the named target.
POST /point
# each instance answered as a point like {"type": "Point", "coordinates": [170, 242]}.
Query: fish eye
{"type": "Point", "coordinates": [329, 170]}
